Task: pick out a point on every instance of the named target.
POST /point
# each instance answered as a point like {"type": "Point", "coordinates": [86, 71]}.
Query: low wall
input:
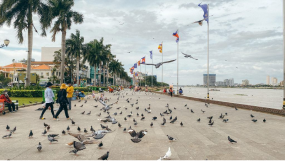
{"type": "Point", "coordinates": [233, 105]}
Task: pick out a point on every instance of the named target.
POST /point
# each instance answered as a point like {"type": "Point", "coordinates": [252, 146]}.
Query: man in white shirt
{"type": "Point", "coordinates": [48, 100]}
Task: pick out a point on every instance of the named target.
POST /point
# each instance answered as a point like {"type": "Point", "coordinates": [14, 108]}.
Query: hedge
{"type": "Point", "coordinates": [23, 93]}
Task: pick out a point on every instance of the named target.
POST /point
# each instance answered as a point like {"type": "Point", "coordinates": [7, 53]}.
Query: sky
{"type": "Point", "coordinates": [245, 37]}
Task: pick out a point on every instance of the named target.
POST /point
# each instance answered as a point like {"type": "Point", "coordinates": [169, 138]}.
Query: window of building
{"type": "Point", "coordinates": [42, 74]}
{"type": "Point", "coordinates": [47, 73]}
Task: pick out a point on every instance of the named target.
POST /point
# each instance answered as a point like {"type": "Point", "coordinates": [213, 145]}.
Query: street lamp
{"type": "Point", "coordinates": [6, 43]}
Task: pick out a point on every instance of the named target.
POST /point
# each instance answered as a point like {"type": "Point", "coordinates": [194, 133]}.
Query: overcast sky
{"type": "Point", "coordinates": [245, 37]}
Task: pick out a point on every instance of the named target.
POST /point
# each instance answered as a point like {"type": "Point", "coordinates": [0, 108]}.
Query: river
{"type": "Point", "coordinates": [270, 98]}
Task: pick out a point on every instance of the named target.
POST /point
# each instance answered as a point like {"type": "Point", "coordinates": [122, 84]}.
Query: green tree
{"type": "Point", "coordinates": [61, 11]}
{"type": "Point", "coordinates": [21, 13]}
{"type": "Point", "coordinates": [75, 49]}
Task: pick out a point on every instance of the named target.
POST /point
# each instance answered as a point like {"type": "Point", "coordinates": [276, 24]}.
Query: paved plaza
{"type": "Point", "coordinates": [194, 140]}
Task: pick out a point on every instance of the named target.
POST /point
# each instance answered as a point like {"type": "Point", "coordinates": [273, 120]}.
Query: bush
{"type": "Point", "coordinates": [24, 93]}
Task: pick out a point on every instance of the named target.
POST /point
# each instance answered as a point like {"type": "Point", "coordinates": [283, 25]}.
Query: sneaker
{"type": "Point", "coordinates": [42, 118]}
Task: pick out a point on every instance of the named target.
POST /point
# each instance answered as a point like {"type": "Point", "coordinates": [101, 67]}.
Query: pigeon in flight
{"type": "Point", "coordinates": [231, 140]}
{"type": "Point", "coordinates": [188, 56]}
{"type": "Point", "coordinates": [136, 136]}
{"type": "Point", "coordinates": [159, 64]}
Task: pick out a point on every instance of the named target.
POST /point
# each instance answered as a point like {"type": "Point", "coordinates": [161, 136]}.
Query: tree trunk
{"type": "Point", "coordinates": [99, 76]}
{"type": "Point", "coordinates": [63, 38]}
{"type": "Point", "coordinates": [77, 70]}
{"type": "Point", "coordinates": [94, 75]}
{"type": "Point", "coordinates": [113, 79]}
{"type": "Point", "coordinates": [107, 74]}
{"type": "Point", "coordinates": [104, 76]}
{"type": "Point", "coordinates": [30, 46]}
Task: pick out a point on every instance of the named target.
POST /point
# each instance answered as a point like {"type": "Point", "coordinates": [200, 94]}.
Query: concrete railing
{"type": "Point", "coordinates": [233, 105]}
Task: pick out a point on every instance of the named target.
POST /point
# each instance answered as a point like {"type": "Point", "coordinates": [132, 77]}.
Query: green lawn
{"type": "Point", "coordinates": [26, 100]}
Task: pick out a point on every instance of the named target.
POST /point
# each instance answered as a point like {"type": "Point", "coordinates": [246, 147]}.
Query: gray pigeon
{"type": "Point", "coordinates": [51, 139]}
{"type": "Point", "coordinates": [39, 146]}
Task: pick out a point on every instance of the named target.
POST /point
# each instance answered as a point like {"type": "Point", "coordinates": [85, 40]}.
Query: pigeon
{"type": "Point", "coordinates": [174, 108]}
{"type": "Point", "coordinates": [185, 105]}
{"type": "Point", "coordinates": [103, 127]}
{"type": "Point", "coordinates": [170, 118]}
{"type": "Point", "coordinates": [91, 129]}
{"type": "Point", "coordinates": [72, 122]}
{"type": "Point", "coordinates": [51, 139]}
{"type": "Point", "coordinates": [143, 118]}
{"type": "Point", "coordinates": [199, 120]}
{"type": "Point", "coordinates": [3, 113]}
{"type": "Point", "coordinates": [135, 123]}
{"type": "Point", "coordinates": [170, 138]}
{"type": "Point", "coordinates": [264, 120]}
{"type": "Point", "coordinates": [75, 105]}
{"type": "Point", "coordinates": [81, 106]}
{"type": "Point", "coordinates": [211, 124]}
{"type": "Point", "coordinates": [254, 120]}
{"type": "Point", "coordinates": [85, 131]}
{"type": "Point", "coordinates": [96, 106]}
{"type": "Point", "coordinates": [181, 124]}
{"type": "Point", "coordinates": [125, 119]}
{"type": "Point", "coordinates": [210, 117]}
{"type": "Point", "coordinates": [161, 114]}
{"type": "Point", "coordinates": [78, 146]}
{"type": "Point", "coordinates": [203, 111]}
{"type": "Point", "coordinates": [7, 136]}
{"type": "Point", "coordinates": [136, 136]}
{"type": "Point", "coordinates": [125, 129]}
{"type": "Point", "coordinates": [104, 157]}
{"type": "Point", "coordinates": [137, 108]}
{"type": "Point", "coordinates": [225, 120]}
{"type": "Point", "coordinates": [14, 129]}
{"type": "Point", "coordinates": [45, 132]}
{"type": "Point", "coordinates": [172, 121]}
{"type": "Point", "coordinates": [121, 112]}
{"type": "Point", "coordinates": [119, 125]}
{"type": "Point", "coordinates": [31, 134]}
{"type": "Point", "coordinates": [151, 124]}
{"type": "Point", "coordinates": [7, 127]}
{"type": "Point", "coordinates": [154, 118]}
{"type": "Point", "coordinates": [115, 113]}
{"type": "Point", "coordinates": [231, 140]}
{"type": "Point", "coordinates": [99, 114]}
{"type": "Point", "coordinates": [206, 104]}
{"type": "Point", "coordinates": [53, 135]}
{"type": "Point", "coordinates": [100, 145]}
{"type": "Point", "coordinates": [45, 125]}
{"type": "Point", "coordinates": [168, 154]}
{"type": "Point", "coordinates": [236, 108]}
{"type": "Point", "coordinates": [192, 111]}
{"type": "Point", "coordinates": [226, 114]}
{"type": "Point", "coordinates": [83, 112]}
{"type": "Point", "coordinates": [39, 147]}
{"type": "Point", "coordinates": [251, 116]}
{"type": "Point", "coordinates": [68, 128]}
{"type": "Point", "coordinates": [88, 113]}
{"type": "Point", "coordinates": [78, 129]}
{"type": "Point", "coordinates": [48, 127]}
{"type": "Point", "coordinates": [63, 132]}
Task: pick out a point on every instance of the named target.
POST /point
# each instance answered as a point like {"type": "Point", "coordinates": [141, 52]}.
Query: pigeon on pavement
{"type": "Point", "coordinates": [39, 147]}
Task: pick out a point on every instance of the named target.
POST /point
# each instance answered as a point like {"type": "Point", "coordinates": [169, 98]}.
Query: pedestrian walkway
{"type": "Point", "coordinates": [194, 140]}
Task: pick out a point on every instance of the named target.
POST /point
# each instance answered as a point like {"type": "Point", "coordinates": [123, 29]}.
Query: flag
{"type": "Point", "coordinates": [150, 54]}
{"type": "Point", "coordinates": [143, 60]}
{"type": "Point", "coordinates": [176, 35]}
{"type": "Point", "coordinates": [139, 63]}
{"type": "Point", "coordinates": [205, 9]}
{"type": "Point", "coordinates": [160, 48]}
{"type": "Point", "coordinates": [137, 73]}
{"type": "Point", "coordinates": [135, 65]}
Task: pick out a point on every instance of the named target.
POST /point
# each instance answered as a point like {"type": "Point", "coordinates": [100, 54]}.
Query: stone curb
{"type": "Point", "coordinates": [233, 105]}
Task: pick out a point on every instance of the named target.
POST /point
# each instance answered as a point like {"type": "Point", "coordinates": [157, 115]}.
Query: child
{"type": "Point", "coordinates": [81, 95]}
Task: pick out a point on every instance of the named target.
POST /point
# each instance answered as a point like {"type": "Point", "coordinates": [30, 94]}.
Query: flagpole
{"type": "Point", "coordinates": [177, 61]}
{"type": "Point", "coordinates": [139, 75]}
{"type": "Point", "coordinates": [162, 64]}
{"type": "Point", "coordinates": [283, 55]}
{"type": "Point", "coordinates": [208, 59]}
{"type": "Point", "coordinates": [145, 71]}
{"type": "Point", "coordinates": [152, 71]}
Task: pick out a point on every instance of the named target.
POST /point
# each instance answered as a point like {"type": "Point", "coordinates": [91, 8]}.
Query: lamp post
{"type": "Point", "coordinates": [6, 43]}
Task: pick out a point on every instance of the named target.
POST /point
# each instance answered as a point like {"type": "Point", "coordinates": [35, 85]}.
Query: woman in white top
{"type": "Point", "coordinates": [48, 100]}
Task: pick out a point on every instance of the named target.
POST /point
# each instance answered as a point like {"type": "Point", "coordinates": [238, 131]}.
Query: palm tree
{"type": "Point", "coordinates": [64, 15]}
{"type": "Point", "coordinates": [91, 55]}
{"type": "Point", "coordinates": [75, 49]}
{"type": "Point", "coordinates": [114, 68]}
{"type": "Point", "coordinates": [21, 12]}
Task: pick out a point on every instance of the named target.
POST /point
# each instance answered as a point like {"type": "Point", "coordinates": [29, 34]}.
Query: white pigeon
{"type": "Point", "coordinates": [168, 154]}
{"type": "Point", "coordinates": [160, 158]}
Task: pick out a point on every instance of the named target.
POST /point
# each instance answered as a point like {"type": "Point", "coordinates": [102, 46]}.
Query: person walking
{"type": "Point", "coordinates": [170, 91]}
{"type": "Point", "coordinates": [48, 100]}
{"type": "Point", "coordinates": [69, 91]}
{"type": "Point", "coordinates": [63, 101]}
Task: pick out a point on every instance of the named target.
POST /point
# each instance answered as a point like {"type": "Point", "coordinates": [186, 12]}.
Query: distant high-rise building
{"type": "Point", "coordinates": [245, 82]}
{"type": "Point", "coordinates": [231, 82]}
{"type": "Point", "coordinates": [274, 81]}
{"type": "Point", "coordinates": [268, 80]}
{"type": "Point", "coordinates": [212, 79]}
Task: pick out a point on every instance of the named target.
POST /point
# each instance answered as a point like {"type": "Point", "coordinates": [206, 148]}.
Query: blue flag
{"type": "Point", "coordinates": [205, 9]}
{"type": "Point", "coordinates": [135, 65]}
{"type": "Point", "coordinates": [150, 54]}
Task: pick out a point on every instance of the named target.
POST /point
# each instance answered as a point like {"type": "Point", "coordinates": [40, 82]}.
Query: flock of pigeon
{"type": "Point", "coordinates": [93, 136]}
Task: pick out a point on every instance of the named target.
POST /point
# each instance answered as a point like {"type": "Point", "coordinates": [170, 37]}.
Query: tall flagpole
{"type": "Point", "coordinates": [145, 71]}
{"type": "Point", "coordinates": [152, 70]}
{"type": "Point", "coordinates": [139, 75]}
{"type": "Point", "coordinates": [283, 55]}
{"type": "Point", "coordinates": [208, 58]}
{"type": "Point", "coordinates": [177, 61]}
{"type": "Point", "coordinates": [162, 64]}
